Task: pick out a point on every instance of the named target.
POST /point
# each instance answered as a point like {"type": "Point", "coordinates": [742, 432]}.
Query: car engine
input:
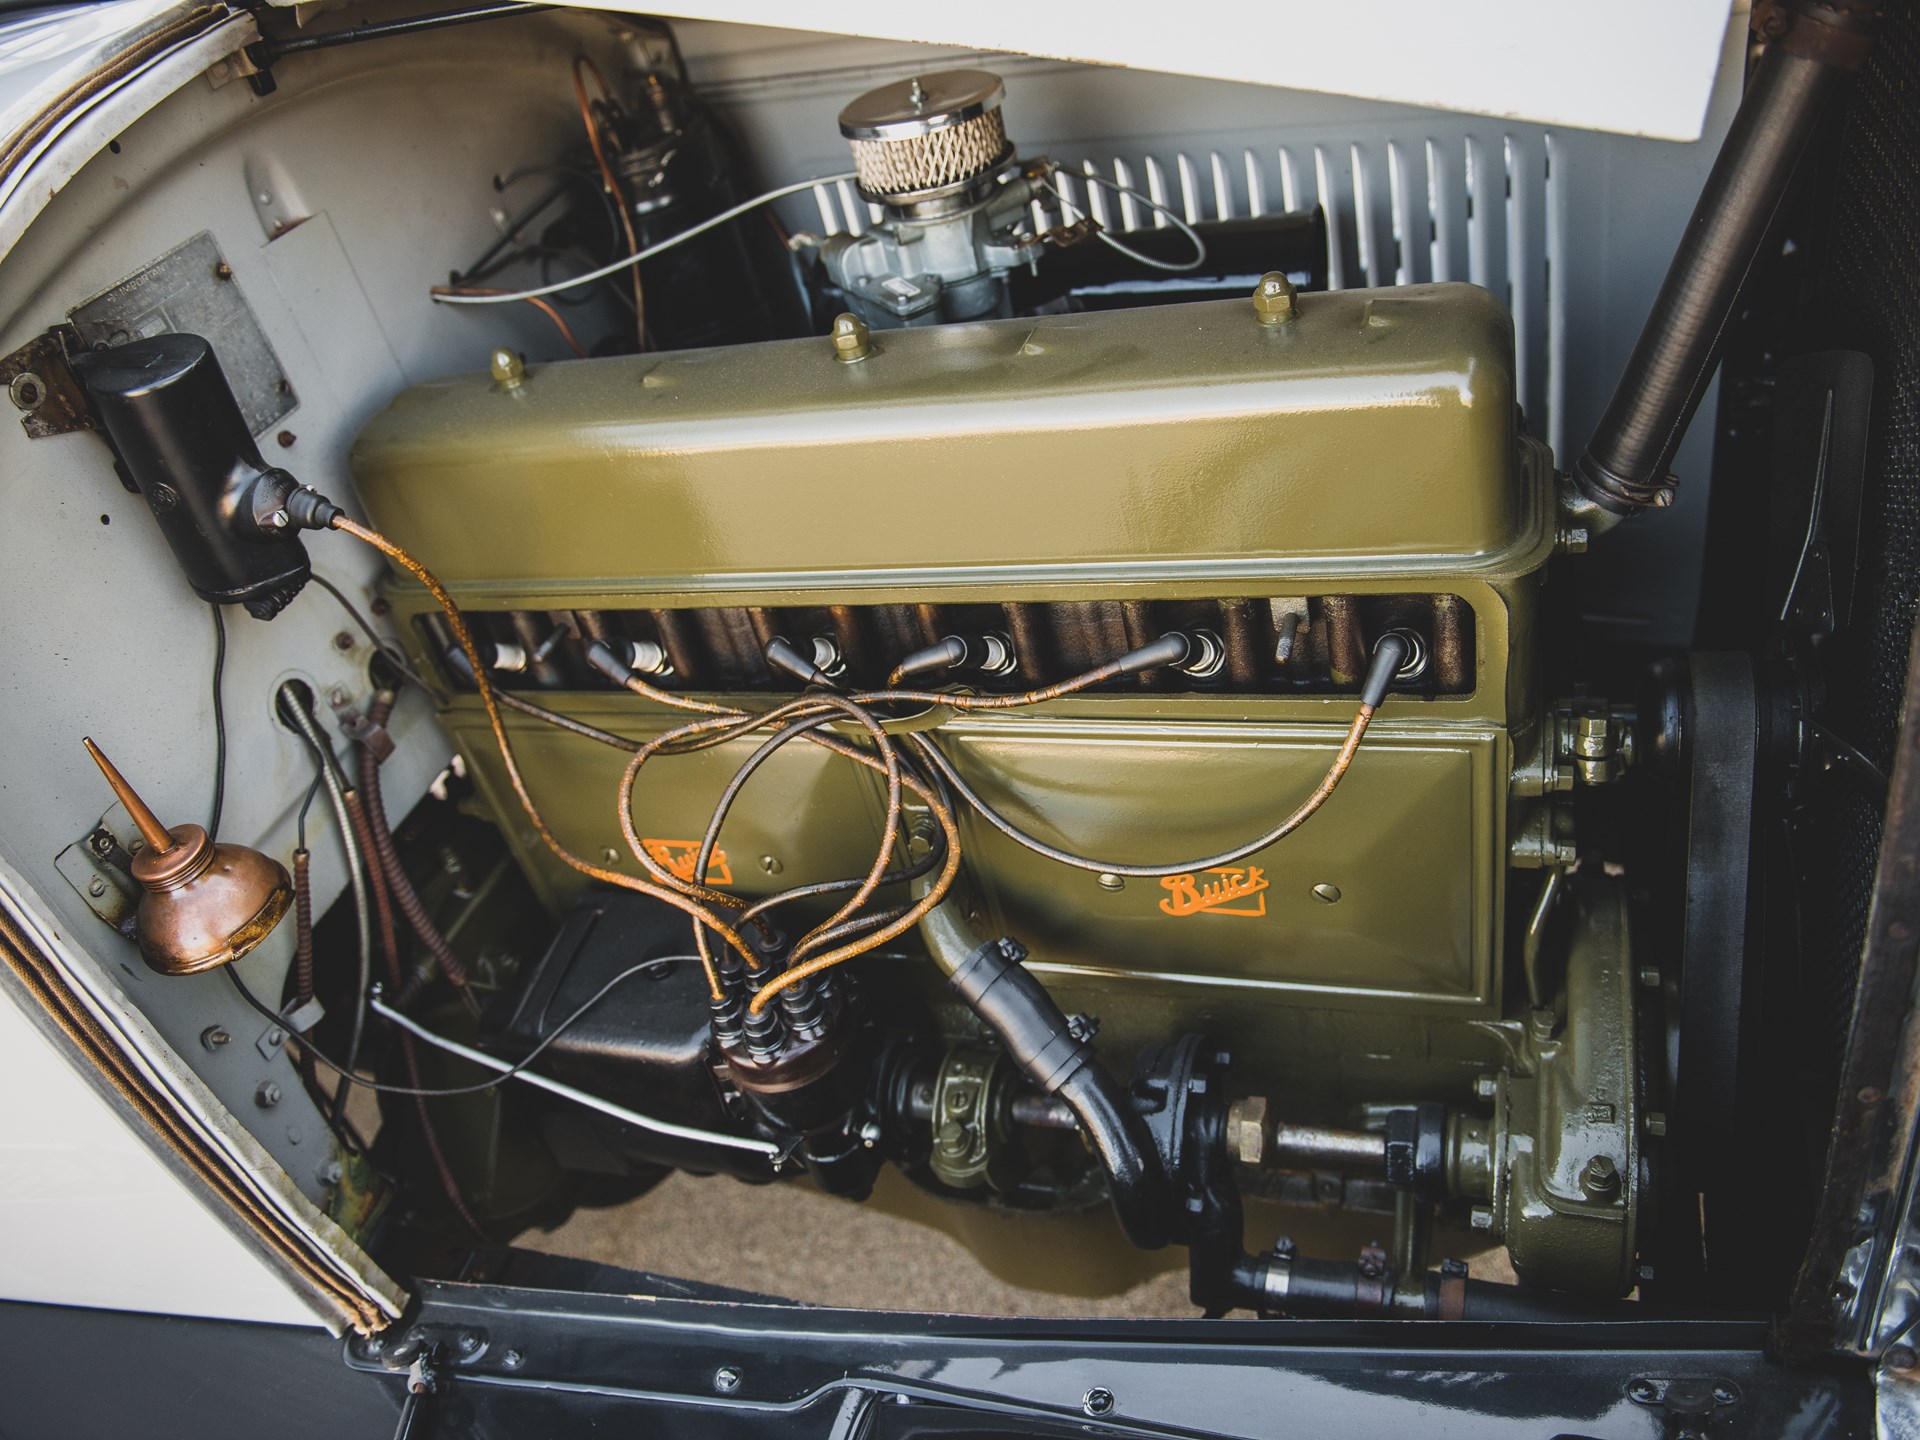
{"type": "Point", "coordinates": [1077, 713]}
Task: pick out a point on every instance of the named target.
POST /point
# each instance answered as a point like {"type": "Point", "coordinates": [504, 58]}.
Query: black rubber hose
{"type": "Point", "coordinates": [997, 987]}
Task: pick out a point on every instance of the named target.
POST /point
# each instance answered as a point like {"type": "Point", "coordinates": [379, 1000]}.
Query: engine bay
{"type": "Point", "coordinates": [1133, 734]}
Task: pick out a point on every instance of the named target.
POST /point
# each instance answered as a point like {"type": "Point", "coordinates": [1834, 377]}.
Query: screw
{"type": "Point", "coordinates": [1727, 1395]}
{"type": "Point", "coordinates": [869, 1135]}
{"type": "Point", "coordinates": [332, 1173]}
{"type": "Point", "coordinates": [851, 339]}
{"type": "Point", "coordinates": [223, 271]}
{"type": "Point", "coordinates": [214, 1036]}
{"type": "Point", "coordinates": [1487, 1087]}
{"type": "Point", "coordinates": [512, 1360]}
{"type": "Point", "coordinates": [285, 439]}
{"type": "Point", "coordinates": [267, 1096]}
{"type": "Point", "coordinates": [610, 855]}
{"type": "Point", "coordinates": [771, 864]}
{"type": "Point", "coordinates": [509, 370]}
{"type": "Point", "coordinates": [1656, 1123]}
{"type": "Point", "coordinates": [1649, 977]}
{"type": "Point", "coordinates": [380, 605]}
{"type": "Point", "coordinates": [343, 640]}
{"type": "Point", "coordinates": [1273, 298]}
{"type": "Point", "coordinates": [1481, 1218]}
{"type": "Point", "coordinates": [1900, 1357]}
{"type": "Point", "coordinates": [469, 1342]}
{"type": "Point", "coordinates": [276, 1037]}
{"type": "Point", "coordinates": [1327, 893]}
{"type": "Point", "coordinates": [726, 1379]}
{"type": "Point", "coordinates": [1111, 882]}
{"type": "Point", "coordinates": [100, 842]}
{"type": "Point", "coordinates": [96, 887]}
{"type": "Point", "coordinates": [1098, 1401]}
{"type": "Point", "coordinates": [278, 520]}
{"type": "Point", "coordinates": [337, 697]}
{"type": "Point", "coordinates": [1643, 1392]}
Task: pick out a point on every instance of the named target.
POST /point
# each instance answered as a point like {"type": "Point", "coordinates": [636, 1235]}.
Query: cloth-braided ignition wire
{"type": "Point", "coordinates": [821, 710]}
{"type": "Point", "coordinates": [457, 622]}
{"type": "Point", "coordinates": [882, 740]}
{"type": "Point", "coordinates": [582, 64]}
{"type": "Point", "coordinates": [1286, 827]}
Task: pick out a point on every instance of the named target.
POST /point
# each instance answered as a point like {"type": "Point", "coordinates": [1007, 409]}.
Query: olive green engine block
{"type": "Point", "coordinates": [1079, 483]}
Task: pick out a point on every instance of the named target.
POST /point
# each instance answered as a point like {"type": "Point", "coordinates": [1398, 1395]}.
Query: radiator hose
{"type": "Point", "coordinates": [1055, 1053]}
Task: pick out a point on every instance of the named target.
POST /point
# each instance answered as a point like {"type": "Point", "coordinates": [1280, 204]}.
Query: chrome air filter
{"type": "Point", "coordinates": [927, 137]}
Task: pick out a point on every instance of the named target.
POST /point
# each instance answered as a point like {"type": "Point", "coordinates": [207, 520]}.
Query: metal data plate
{"type": "Point", "coordinates": [191, 290]}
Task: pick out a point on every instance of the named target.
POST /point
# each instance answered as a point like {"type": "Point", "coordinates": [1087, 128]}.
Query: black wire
{"type": "Point", "coordinates": [505, 1075]}
{"type": "Point", "coordinates": [219, 724]}
{"type": "Point", "coordinates": [307, 804]}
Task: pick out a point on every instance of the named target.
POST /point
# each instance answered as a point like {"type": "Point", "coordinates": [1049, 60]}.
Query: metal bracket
{"type": "Point", "coordinates": [1689, 1402]}
{"type": "Point", "coordinates": [40, 384]}
{"type": "Point", "coordinates": [99, 866]}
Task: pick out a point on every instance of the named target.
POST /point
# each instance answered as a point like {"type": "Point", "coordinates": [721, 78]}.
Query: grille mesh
{"type": "Point", "coordinates": [947, 156]}
{"type": "Point", "coordinates": [1870, 300]}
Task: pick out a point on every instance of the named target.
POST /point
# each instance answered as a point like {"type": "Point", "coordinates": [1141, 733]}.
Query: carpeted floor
{"type": "Point", "coordinates": [901, 1251]}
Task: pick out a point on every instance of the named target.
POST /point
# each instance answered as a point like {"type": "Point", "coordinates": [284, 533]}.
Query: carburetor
{"type": "Point", "coordinates": [932, 152]}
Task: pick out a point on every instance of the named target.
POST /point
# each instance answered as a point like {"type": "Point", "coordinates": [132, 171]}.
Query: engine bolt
{"type": "Point", "coordinates": [1600, 1179]}
{"type": "Point", "coordinates": [851, 338]}
{"type": "Point", "coordinates": [1273, 298]}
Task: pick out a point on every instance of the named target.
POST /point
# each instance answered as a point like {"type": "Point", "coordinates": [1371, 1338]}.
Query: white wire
{"type": "Point", "coordinates": [1199, 245]}
{"type": "Point", "coordinates": [647, 254]}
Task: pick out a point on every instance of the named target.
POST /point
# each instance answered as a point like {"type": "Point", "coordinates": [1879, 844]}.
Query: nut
{"type": "Point", "coordinates": [1247, 1130]}
{"type": "Point", "coordinates": [1273, 298]}
{"type": "Point", "coordinates": [851, 338]}
{"type": "Point", "coordinates": [509, 370]}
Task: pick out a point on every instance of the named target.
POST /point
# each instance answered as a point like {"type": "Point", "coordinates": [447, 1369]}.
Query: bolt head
{"type": "Point", "coordinates": [214, 1036]}
{"type": "Point", "coordinates": [1487, 1087]}
{"type": "Point", "coordinates": [1273, 298]}
{"type": "Point", "coordinates": [726, 1379]}
{"type": "Point", "coordinates": [1098, 1401]}
{"type": "Point", "coordinates": [1601, 1179]}
{"type": "Point", "coordinates": [267, 1096]}
{"type": "Point", "coordinates": [1481, 1218]}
